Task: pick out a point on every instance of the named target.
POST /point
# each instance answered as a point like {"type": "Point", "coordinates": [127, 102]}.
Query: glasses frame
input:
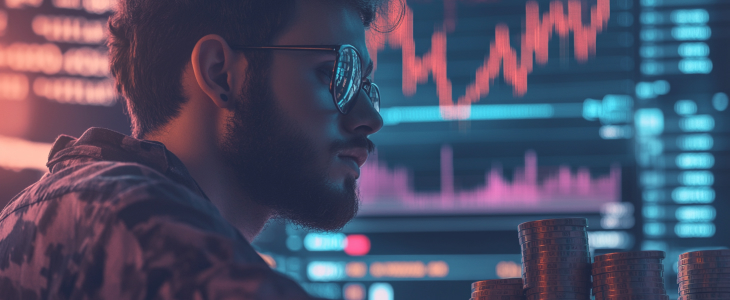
{"type": "Point", "coordinates": [364, 83]}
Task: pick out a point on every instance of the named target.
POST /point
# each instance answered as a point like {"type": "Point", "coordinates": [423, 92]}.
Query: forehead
{"type": "Point", "coordinates": [325, 22]}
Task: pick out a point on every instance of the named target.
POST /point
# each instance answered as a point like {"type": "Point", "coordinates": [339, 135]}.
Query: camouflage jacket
{"type": "Point", "coordinates": [121, 218]}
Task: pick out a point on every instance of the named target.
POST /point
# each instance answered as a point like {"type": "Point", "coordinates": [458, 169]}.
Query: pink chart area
{"type": "Point", "coordinates": [386, 191]}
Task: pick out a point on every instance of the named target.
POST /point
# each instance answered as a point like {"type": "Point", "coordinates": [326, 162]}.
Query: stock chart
{"type": "Point", "coordinates": [496, 112]}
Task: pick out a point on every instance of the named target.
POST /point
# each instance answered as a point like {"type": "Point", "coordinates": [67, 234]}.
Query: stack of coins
{"type": "Point", "coordinates": [629, 276]}
{"type": "Point", "coordinates": [498, 289]}
{"type": "Point", "coordinates": [704, 275]}
{"type": "Point", "coordinates": [556, 263]}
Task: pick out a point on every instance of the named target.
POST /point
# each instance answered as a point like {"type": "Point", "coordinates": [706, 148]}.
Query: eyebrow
{"type": "Point", "coordinates": [368, 70]}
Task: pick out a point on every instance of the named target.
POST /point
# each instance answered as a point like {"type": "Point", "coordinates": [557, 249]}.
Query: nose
{"type": "Point", "coordinates": [363, 119]}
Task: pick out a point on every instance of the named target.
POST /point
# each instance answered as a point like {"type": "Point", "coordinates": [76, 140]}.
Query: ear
{"type": "Point", "coordinates": [216, 68]}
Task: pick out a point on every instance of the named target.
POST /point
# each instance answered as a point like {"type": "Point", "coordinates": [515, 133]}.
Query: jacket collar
{"type": "Point", "coordinates": [101, 144]}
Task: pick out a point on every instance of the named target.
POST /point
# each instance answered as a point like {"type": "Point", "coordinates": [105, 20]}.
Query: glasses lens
{"type": "Point", "coordinates": [375, 96]}
{"type": "Point", "coordinates": [347, 77]}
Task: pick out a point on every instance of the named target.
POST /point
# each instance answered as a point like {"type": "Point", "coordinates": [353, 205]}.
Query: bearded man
{"type": "Point", "coordinates": [241, 111]}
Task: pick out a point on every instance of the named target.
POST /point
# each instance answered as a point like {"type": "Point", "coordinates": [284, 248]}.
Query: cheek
{"type": "Point", "coordinates": [305, 102]}
{"type": "Point", "coordinates": [298, 88]}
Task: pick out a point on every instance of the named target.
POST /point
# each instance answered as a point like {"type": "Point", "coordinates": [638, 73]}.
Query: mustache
{"type": "Point", "coordinates": [359, 142]}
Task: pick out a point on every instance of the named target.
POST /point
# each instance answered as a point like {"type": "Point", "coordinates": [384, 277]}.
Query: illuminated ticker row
{"type": "Point", "coordinates": [359, 244]}
{"type": "Point", "coordinates": [49, 59]}
{"type": "Point", "coordinates": [90, 6]}
{"type": "Point", "coordinates": [70, 29]}
{"type": "Point", "coordinates": [690, 28]}
{"type": "Point", "coordinates": [16, 86]}
{"type": "Point", "coordinates": [407, 269]}
{"type": "Point", "coordinates": [412, 267]}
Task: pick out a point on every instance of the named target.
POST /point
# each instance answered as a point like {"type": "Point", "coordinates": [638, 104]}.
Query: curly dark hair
{"type": "Point", "coordinates": [151, 42]}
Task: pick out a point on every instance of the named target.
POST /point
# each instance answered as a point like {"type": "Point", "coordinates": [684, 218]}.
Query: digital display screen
{"type": "Point", "coordinates": [495, 113]}
{"type": "Point", "coordinates": [504, 107]}
{"type": "Point", "coordinates": [54, 79]}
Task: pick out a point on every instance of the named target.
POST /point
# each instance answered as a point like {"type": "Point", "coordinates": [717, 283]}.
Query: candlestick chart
{"type": "Point", "coordinates": [502, 57]}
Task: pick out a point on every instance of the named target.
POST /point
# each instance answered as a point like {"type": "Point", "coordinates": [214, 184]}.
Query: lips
{"type": "Point", "coordinates": [359, 155]}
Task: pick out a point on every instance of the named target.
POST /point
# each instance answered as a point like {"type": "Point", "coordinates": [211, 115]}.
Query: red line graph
{"type": "Point", "coordinates": [502, 56]}
{"type": "Point", "coordinates": [385, 190]}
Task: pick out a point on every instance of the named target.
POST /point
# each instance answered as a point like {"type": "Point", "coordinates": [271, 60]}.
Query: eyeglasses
{"type": "Point", "coordinates": [346, 80]}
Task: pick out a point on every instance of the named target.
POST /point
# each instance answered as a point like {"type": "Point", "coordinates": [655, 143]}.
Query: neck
{"type": "Point", "coordinates": [197, 148]}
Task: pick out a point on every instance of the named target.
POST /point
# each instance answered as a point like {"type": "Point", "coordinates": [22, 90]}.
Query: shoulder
{"type": "Point", "coordinates": [156, 236]}
{"type": "Point", "coordinates": [94, 183]}
{"type": "Point", "coordinates": [98, 193]}
{"type": "Point", "coordinates": [105, 200]}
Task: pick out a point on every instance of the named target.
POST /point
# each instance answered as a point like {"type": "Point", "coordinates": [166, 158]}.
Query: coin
{"type": "Point", "coordinates": [713, 265]}
{"type": "Point", "coordinates": [533, 265]}
{"type": "Point", "coordinates": [499, 297]}
{"type": "Point", "coordinates": [507, 281]}
{"type": "Point", "coordinates": [632, 291]}
{"type": "Point", "coordinates": [559, 278]}
{"type": "Point", "coordinates": [643, 267]}
{"type": "Point", "coordinates": [703, 271]}
{"type": "Point", "coordinates": [555, 259]}
{"type": "Point", "coordinates": [496, 292]}
{"type": "Point", "coordinates": [563, 241]}
{"type": "Point", "coordinates": [582, 282]}
{"type": "Point", "coordinates": [558, 259]}
{"type": "Point", "coordinates": [630, 279]}
{"type": "Point", "coordinates": [558, 288]}
{"type": "Point", "coordinates": [554, 222]}
{"type": "Point", "coordinates": [725, 252]}
{"type": "Point", "coordinates": [703, 259]}
{"type": "Point", "coordinates": [707, 281]}
{"type": "Point", "coordinates": [630, 255]}
{"type": "Point", "coordinates": [553, 235]}
{"type": "Point", "coordinates": [585, 282]}
{"type": "Point", "coordinates": [632, 297]}
{"type": "Point", "coordinates": [497, 287]}
{"type": "Point", "coordinates": [542, 229]}
{"type": "Point", "coordinates": [605, 263]}
{"type": "Point", "coordinates": [534, 238]}
{"type": "Point", "coordinates": [584, 272]}
{"type": "Point", "coordinates": [704, 277]}
{"type": "Point", "coordinates": [705, 296]}
{"type": "Point", "coordinates": [566, 254]}
{"type": "Point", "coordinates": [630, 285]}
{"type": "Point", "coordinates": [703, 290]}
{"type": "Point", "coordinates": [553, 248]}
{"type": "Point", "coordinates": [685, 285]}
{"type": "Point", "coordinates": [624, 274]}
{"type": "Point", "coordinates": [559, 296]}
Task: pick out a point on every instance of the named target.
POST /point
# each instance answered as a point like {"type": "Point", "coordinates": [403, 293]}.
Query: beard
{"type": "Point", "coordinates": [275, 165]}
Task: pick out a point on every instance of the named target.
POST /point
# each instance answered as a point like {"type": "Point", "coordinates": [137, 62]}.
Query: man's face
{"type": "Point", "coordinates": [291, 148]}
